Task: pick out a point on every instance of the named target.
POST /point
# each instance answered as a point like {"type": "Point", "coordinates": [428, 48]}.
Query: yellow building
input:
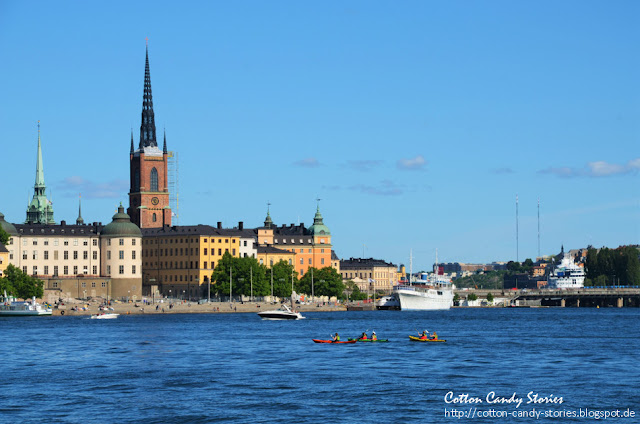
{"type": "Point", "coordinates": [4, 259]}
{"type": "Point", "coordinates": [269, 256]}
{"type": "Point", "coordinates": [178, 261]}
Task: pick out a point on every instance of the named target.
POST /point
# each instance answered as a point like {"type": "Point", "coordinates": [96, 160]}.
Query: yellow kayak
{"type": "Point", "coordinates": [418, 339]}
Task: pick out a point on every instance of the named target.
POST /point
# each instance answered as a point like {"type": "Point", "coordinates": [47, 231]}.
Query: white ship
{"type": "Point", "coordinates": [9, 307]}
{"type": "Point", "coordinates": [567, 275]}
{"type": "Point", "coordinates": [430, 292]}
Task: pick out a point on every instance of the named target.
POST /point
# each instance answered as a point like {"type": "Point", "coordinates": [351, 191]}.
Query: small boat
{"type": "Point", "coordinates": [104, 316]}
{"type": "Point", "coordinates": [284, 313]}
{"type": "Point", "coordinates": [333, 341]}
{"type": "Point", "coordinates": [370, 340]}
{"type": "Point", "coordinates": [418, 339]}
{"type": "Point", "coordinates": [11, 308]}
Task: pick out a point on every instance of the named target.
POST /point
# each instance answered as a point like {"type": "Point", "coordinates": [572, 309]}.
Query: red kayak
{"type": "Point", "coordinates": [332, 341]}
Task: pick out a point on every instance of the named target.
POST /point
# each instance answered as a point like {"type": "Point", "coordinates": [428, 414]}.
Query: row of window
{"type": "Point", "coordinates": [188, 240]}
{"type": "Point", "coordinates": [121, 254]}
{"type": "Point", "coordinates": [57, 284]}
{"type": "Point", "coordinates": [185, 251]}
{"type": "Point", "coordinates": [65, 255]}
{"type": "Point", "coordinates": [85, 270]}
{"type": "Point", "coordinates": [293, 241]}
{"type": "Point", "coordinates": [65, 242]}
{"type": "Point", "coordinates": [65, 270]}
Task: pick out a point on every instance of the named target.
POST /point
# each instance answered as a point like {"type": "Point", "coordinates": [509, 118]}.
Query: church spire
{"type": "Point", "coordinates": [148, 125]}
{"type": "Point", "coordinates": [164, 147]}
{"type": "Point", "coordinates": [40, 210]}
{"type": "Point", "coordinates": [79, 221]}
{"type": "Point", "coordinates": [268, 223]}
{"type": "Point", "coordinates": [39, 186]}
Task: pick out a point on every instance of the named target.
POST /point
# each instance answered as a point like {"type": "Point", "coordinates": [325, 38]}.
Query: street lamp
{"type": "Point", "coordinates": [322, 282]}
{"type": "Point", "coordinates": [230, 284]}
{"type": "Point", "coordinates": [282, 280]}
{"type": "Point", "coordinates": [128, 295]}
{"type": "Point", "coordinates": [84, 294]}
{"type": "Point", "coordinates": [272, 283]}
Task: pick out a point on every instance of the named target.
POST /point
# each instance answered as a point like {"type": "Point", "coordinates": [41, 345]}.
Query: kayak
{"type": "Point", "coordinates": [370, 340]}
{"type": "Point", "coordinates": [418, 339]}
{"type": "Point", "coordinates": [332, 341]}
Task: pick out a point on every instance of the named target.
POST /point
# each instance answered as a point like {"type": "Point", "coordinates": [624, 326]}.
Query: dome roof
{"type": "Point", "coordinates": [318, 227]}
{"type": "Point", "coordinates": [7, 226]}
{"type": "Point", "coordinates": [121, 225]}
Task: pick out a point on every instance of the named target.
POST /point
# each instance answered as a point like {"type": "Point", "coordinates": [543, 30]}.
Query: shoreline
{"type": "Point", "coordinates": [185, 307]}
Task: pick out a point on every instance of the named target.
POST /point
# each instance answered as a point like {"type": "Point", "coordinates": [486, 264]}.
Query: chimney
{"type": "Point", "coordinates": [240, 225]}
{"type": "Point", "coordinates": [219, 225]}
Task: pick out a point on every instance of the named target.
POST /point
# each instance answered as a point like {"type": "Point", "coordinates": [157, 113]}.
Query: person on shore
{"type": "Point", "coordinates": [373, 336]}
{"type": "Point", "coordinates": [424, 335]}
{"type": "Point", "coordinates": [336, 338]}
{"type": "Point", "coordinates": [364, 335]}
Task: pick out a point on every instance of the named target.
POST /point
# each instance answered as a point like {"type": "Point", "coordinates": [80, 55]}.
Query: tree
{"type": "Point", "coordinates": [489, 297]}
{"type": "Point", "coordinates": [326, 282]}
{"type": "Point", "coordinates": [20, 285]}
{"type": "Point", "coordinates": [242, 271]}
{"type": "Point", "coordinates": [472, 296]}
{"type": "Point", "coordinates": [4, 236]}
{"type": "Point", "coordinates": [282, 275]}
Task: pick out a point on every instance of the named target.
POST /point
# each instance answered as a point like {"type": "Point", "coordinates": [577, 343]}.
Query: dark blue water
{"type": "Point", "coordinates": [236, 368]}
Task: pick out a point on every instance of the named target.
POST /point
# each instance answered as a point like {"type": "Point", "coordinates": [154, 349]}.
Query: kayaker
{"type": "Point", "coordinates": [336, 338]}
{"type": "Point", "coordinates": [364, 336]}
{"type": "Point", "coordinates": [434, 336]}
{"type": "Point", "coordinates": [373, 336]}
{"type": "Point", "coordinates": [425, 335]}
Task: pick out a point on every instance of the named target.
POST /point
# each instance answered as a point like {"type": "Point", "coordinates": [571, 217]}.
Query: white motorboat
{"type": "Point", "coordinates": [284, 313]}
{"type": "Point", "coordinates": [105, 316]}
{"type": "Point", "coordinates": [9, 307]}
{"type": "Point", "coordinates": [567, 275]}
{"type": "Point", "coordinates": [388, 302]}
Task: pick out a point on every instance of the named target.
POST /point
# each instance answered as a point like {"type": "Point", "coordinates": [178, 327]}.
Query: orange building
{"type": "Point", "coordinates": [311, 246]}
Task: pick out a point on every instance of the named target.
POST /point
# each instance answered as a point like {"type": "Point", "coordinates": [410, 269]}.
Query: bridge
{"type": "Point", "coordinates": [582, 297]}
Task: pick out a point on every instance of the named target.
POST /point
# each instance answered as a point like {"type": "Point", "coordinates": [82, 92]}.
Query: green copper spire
{"type": "Point", "coordinates": [318, 226]}
{"type": "Point", "coordinates": [268, 223]}
{"type": "Point", "coordinates": [40, 210]}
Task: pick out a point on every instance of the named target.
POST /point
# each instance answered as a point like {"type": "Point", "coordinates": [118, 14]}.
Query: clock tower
{"type": "Point", "coordinates": [148, 192]}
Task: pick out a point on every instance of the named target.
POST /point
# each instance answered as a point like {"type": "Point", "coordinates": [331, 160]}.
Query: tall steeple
{"type": "Point", "coordinates": [40, 209]}
{"type": "Point", "coordinates": [164, 147]}
{"type": "Point", "coordinates": [132, 150]}
{"type": "Point", "coordinates": [79, 221]}
{"type": "Point", "coordinates": [148, 125]}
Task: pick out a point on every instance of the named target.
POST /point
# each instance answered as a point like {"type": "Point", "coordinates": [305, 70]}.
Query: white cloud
{"type": "Point", "coordinates": [75, 185]}
{"type": "Point", "coordinates": [412, 164]}
{"type": "Point", "coordinates": [595, 169]}
{"type": "Point", "coordinates": [307, 163]}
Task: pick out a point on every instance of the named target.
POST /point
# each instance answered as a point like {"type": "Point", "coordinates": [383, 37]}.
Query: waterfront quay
{"type": "Point", "coordinates": [178, 306]}
{"type": "Point", "coordinates": [580, 297]}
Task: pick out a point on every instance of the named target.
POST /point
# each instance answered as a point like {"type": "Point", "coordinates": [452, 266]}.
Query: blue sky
{"type": "Point", "coordinates": [417, 123]}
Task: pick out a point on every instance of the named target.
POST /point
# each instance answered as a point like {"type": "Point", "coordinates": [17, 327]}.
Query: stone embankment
{"type": "Point", "coordinates": [184, 307]}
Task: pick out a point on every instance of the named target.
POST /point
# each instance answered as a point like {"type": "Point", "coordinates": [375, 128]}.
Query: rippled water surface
{"type": "Point", "coordinates": [236, 368]}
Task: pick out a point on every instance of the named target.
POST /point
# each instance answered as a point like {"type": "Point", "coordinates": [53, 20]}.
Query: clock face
{"type": "Point", "coordinates": [154, 201]}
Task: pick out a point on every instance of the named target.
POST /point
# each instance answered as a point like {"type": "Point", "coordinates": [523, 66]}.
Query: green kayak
{"type": "Point", "coordinates": [370, 340]}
